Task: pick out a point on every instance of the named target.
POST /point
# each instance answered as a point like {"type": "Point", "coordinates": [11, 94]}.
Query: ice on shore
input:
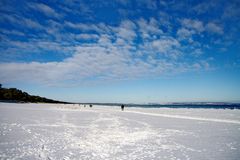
{"type": "Point", "coordinates": [44, 131]}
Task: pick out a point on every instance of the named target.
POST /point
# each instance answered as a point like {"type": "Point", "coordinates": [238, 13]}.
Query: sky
{"type": "Point", "coordinates": [124, 51]}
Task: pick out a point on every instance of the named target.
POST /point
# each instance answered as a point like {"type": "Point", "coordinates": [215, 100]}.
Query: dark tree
{"type": "Point", "coordinates": [14, 94]}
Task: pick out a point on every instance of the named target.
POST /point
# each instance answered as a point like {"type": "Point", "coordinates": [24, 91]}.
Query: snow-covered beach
{"type": "Point", "coordinates": [57, 131]}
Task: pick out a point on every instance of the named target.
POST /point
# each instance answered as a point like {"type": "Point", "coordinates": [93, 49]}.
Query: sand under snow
{"type": "Point", "coordinates": [56, 131]}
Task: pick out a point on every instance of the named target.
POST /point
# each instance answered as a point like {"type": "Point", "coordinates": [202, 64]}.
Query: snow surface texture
{"type": "Point", "coordinates": [57, 131]}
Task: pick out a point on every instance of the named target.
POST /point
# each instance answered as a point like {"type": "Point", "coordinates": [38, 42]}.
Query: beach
{"type": "Point", "coordinates": [71, 131]}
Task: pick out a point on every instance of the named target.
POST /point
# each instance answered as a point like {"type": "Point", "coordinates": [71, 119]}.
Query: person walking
{"type": "Point", "coordinates": [122, 107]}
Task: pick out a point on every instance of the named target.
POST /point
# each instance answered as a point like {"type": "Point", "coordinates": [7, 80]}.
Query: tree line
{"type": "Point", "coordinates": [16, 95]}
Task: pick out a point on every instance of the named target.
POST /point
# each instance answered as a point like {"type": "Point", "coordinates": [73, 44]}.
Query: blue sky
{"type": "Point", "coordinates": [142, 51]}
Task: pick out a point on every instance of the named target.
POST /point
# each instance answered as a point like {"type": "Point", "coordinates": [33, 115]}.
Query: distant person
{"type": "Point", "coordinates": [122, 107]}
{"type": "Point", "coordinates": [90, 105]}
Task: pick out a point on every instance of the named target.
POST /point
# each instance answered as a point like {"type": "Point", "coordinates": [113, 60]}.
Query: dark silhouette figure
{"type": "Point", "coordinates": [122, 107]}
{"type": "Point", "coordinates": [90, 105]}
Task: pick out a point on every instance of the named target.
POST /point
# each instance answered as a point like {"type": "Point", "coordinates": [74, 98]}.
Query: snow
{"type": "Point", "coordinates": [57, 131]}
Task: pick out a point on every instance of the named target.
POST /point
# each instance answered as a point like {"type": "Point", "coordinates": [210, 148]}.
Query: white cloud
{"type": "Point", "coordinates": [197, 52]}
{"type": "Point", "coordinates": [193, 24]}
{"type": "Point", "coordinates": [100, 52]}
{"type": "Point", "coordinates": [45, 9]}
{"type": "Point", "coordinates": [184, 33]}
{"type": "Point", "coordinates": [135, 47]}
{"type": "Point", "coordinates": [99, 28]}
{"type": "Point", "coordinates": [199, 26]}
{"type": "Point", "coordinates": [87, 36]}
{"type": "Point", "coordinates": [21, 22]}
{"type": "Point", "coordinates": [12, 32]}
{"type": "Point", "coordinates": [37, 46]}
{"type": "Point", "coordinates": [88, 61]}
{"type": "Point", "coordinates": [125, 31]}
{"type": "Point", "coordinates": [214, 28]}
{"type": "Point", "coordinates": [165, 20]}
{"type": "Point", "coordinates": [165, 45]}
{"type": "Point", "coordinates": [126, 34]}
{"type": "Point", "coordinates": [32, 24]}
{"type": "Point", "coordinates": [120, 42]}
{"type": "Point", "coordinates": [105, 40]}
{"type": "Point", "coordinates": [205, 6]}
{"type": "Point", "coordinates": [103, 60]}
{"type": "Point", "coordinates": [148, 28]}
{"type": "Point", "coordinates": [127, 24]}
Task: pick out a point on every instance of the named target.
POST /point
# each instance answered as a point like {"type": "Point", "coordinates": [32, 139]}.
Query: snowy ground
{"type": "Point", "coordinates": [44, 131]}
